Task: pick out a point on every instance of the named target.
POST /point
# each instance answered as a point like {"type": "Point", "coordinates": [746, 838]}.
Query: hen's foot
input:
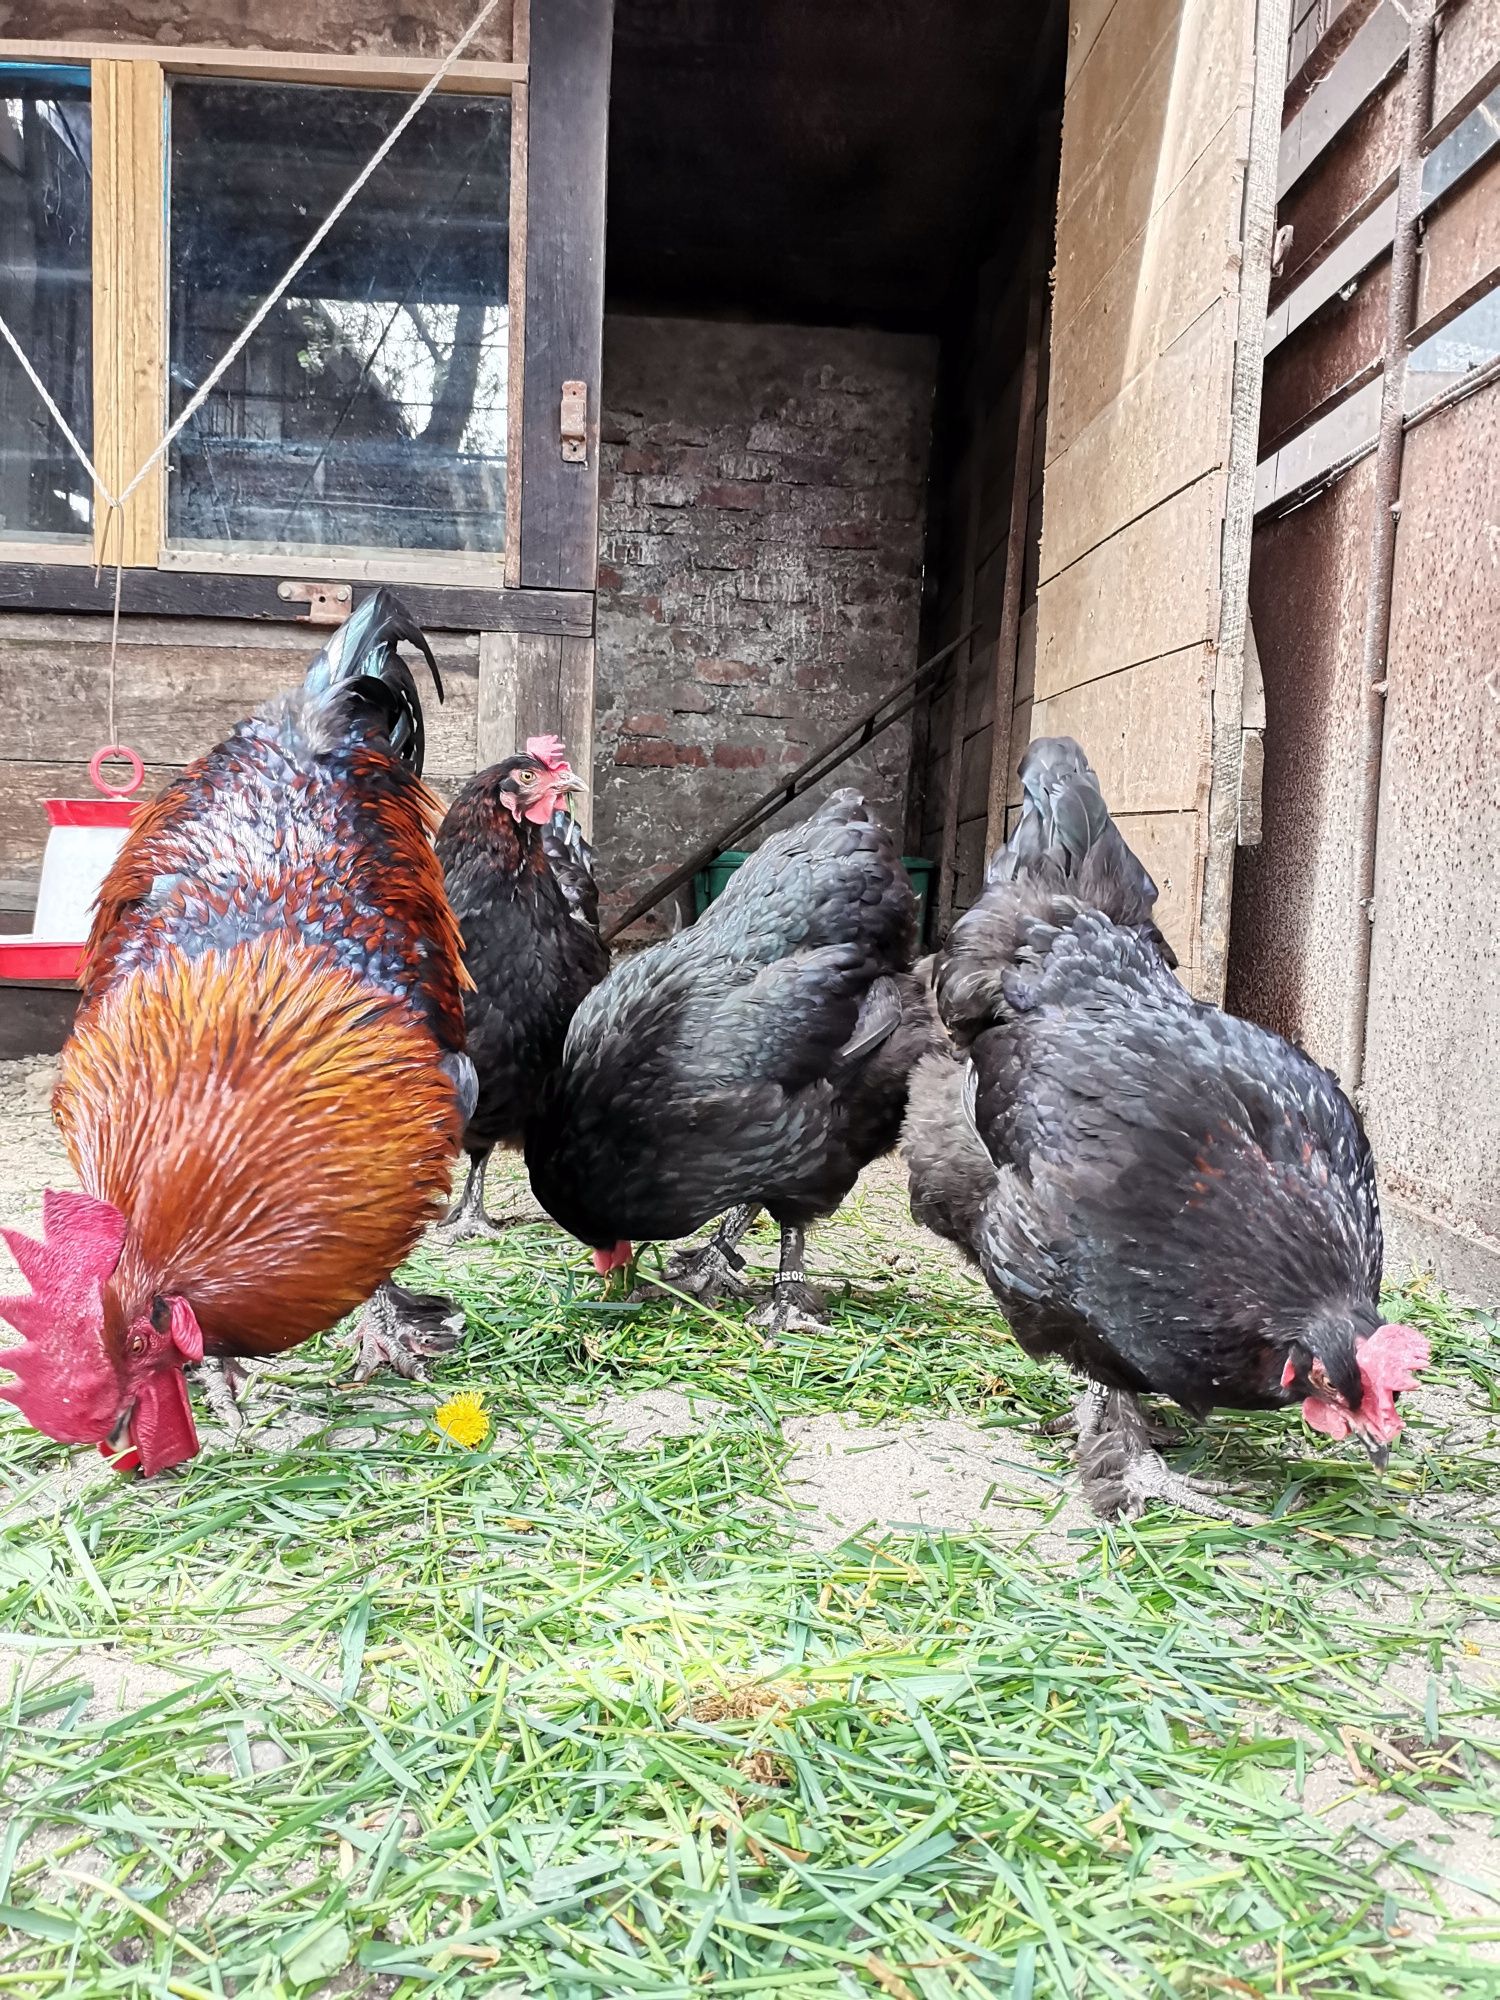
{"type": "Point", "coordinates": [223, 1384]}
{"type": "Point", "coordinates": [1122, 1472]}
{"type": "Point", "coordinates": [401, 1330]}
{"type": "Point", "coordinates": [466, 1225]}
{"type": "Point", "coordinates": [793, 1307]}
{"type": "Point", "coordinates": [710, 1272]}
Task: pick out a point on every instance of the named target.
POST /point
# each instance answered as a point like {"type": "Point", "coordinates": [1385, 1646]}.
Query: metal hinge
{"type": "Point", "coordinates": [327, 603]}
{"type": "Point", "coordinates": [574, 422]}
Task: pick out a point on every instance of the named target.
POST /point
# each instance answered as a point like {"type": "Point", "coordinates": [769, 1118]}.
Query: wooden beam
{"type": "Point", "coordinates": [190, 594]}
{"type": "Point", "coordinates": [130, 303]}
{"type": "Point", "coordinates": [1007, 647]}
{"type": "Point", "coordinates": [953, 785]}
{"type": "Point", "coordinates": [475, 79]}
{"type": "Point", "coordinates": [568, 122]}
{"type": "Point", "coordinates": [515, 412]}
{"type": "Point", "coordinates": [1372, 56]}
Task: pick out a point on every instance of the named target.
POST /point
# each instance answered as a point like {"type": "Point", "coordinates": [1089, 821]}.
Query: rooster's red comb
{"type": "Point", "coordinates": [65, 1383]}
{"type": "Point", "coordinates": [548, 750]}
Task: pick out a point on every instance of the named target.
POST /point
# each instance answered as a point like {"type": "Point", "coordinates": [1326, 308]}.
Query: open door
{"type": "Point", "coordinates": [1165, 211]}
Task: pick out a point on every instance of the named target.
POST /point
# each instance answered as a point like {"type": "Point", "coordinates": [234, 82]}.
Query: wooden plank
{"type": "Point", "coordinates": [1166, 278]}
{"type": "Point", "coordinates": [168, 594]}
{"type": "Point", "coordinates": [1168, 847]}
{"type": "Point", "coordinates": [568, 120]}
{"type": "Point", "coordinates": [953, 774]}
{"type": "Point", "coordinates": [1145, 730]}
{"type": "Point", "coordinates": [515, 414]}
{"type": "Point", "coordinates": [1007, 645]}
{"type": "Point", "coordinates": [130, 311]}
{"type": "Point", "coordinates": [1164, 430]}
{"type": "Point", "coordinates": [1144, 592]}
{"type": "Point", "coordinates": [1178, 109]}
{"type": "Point", "coordinates": [181, 687]}
{"type": "Point", "coordinates": [473, 76]}
{"type": "Point", "coordinates": [576, 713]}
{"type": "Point", "coordinates": [1347, 261]}
{"type": "Point", "coordinates": [1130, 52]}
{"type": "Point", "coordinates": [1460, 250]}
{"type": "Point", "coordinates": [1333, 443]}
{"type": "Point", "coordinates": [495, 732]}
{"type": "Point", "coordinates": [1223, 712]}
{"type": "Point", "coordinates": [1377, 50]}
{"type": "Point", "coordinates": [346, 565]}
{"type": "Point", "coordinates": [1467, 60]}
{"type": "Point", "coordinates": [1085, 22]}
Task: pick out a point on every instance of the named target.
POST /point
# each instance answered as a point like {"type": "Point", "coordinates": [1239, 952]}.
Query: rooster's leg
{"type": "Point", "coordinates": [466, 1221]}
{"type": "Point", "coordinates": [1121, 1470]}
{"type": "Point", "coordinates": [222, 1382]}
{"type": "Point", "coordinates": [400, 1330]}
{"type": "Point", "coordinates": [793, 1307]}
{"type": "Point", "coordinates": [711, 1271]}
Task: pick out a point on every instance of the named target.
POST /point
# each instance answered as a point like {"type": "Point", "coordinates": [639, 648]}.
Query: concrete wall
{"type": "Point", "coordinates": [762, 502]}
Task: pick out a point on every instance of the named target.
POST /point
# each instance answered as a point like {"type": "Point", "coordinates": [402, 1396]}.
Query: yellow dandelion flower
{"type": "Point", "coordinates": [463, 1419]}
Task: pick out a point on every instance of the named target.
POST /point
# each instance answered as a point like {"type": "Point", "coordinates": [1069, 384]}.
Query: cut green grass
{"type": "Point", "coordinates": [354, 1709]}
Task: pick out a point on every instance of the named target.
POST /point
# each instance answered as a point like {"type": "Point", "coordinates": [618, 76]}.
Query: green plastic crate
{"type": "Point", "coordinates": [710, 883]}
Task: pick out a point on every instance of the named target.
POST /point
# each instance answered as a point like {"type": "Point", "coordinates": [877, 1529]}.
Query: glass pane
{"type": "Point", "coordinates": [46, 292]}
{"type": "Point", "coordinates": [369, 412]}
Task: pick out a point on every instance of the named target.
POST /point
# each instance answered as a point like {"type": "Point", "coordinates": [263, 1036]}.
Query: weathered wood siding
{"type": "Point", "coordinates": [1132, 637]}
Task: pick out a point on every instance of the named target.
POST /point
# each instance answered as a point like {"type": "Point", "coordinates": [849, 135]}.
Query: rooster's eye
{"type": "Point", "coordinates": [136, 1343]}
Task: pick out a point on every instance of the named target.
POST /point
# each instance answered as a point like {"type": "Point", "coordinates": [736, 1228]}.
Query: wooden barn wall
{"type": "Point", "coordinates": [971, 502]}
{"type": "Point", "coordinates": [1156, 313]}
{"type": "Point", "coordinates": [331, 27]}
{"type": "Point", "coordinates": [1422, 1038]}
{"type": "Point", "coordinates": [180, 686]}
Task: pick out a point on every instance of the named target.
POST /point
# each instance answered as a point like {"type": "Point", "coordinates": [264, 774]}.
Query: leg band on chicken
{"type": "Point", "coordinates": [711, 1270]}
{"type": "Point", "coordinates": [794, 1306]}
{"type": "Point", "coordinates": [401, 1331]}
{"type": "Point", "coordinates": [1121, 1470]}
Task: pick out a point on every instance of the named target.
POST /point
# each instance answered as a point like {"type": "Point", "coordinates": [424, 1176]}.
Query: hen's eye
{"type": "Point", "coordinates": [526, 777]}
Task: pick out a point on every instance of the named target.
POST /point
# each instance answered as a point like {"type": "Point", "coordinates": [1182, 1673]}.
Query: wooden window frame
{"type": "Point", "coordinates": [129, 95]}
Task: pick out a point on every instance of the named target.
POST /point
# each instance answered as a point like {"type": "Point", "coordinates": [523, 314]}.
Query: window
{"type": "Point", "coordinates": [369, 411]}
{"type": "Point", "coordinates": [47, 290]}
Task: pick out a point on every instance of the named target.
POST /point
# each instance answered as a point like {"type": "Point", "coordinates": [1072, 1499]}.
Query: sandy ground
{"type": "Point", "coordinates": [842, 1477]}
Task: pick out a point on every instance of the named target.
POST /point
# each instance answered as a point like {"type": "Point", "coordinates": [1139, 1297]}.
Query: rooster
{"type": "Point", "coordinates": [521, 882]}
{"type": "Point", "coordinates": [1170, 1199]}
{"type": "Point", "coordinates": [758, 1059]}
{"type": "Point", "coordinates": [266, 1085]}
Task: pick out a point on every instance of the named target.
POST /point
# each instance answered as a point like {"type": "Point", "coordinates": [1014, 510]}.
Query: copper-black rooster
{"type": "Point", "coordinates": [265, 1089]}
{"type": "Point", "coordinates": [1170, 1199]}
{"type": "Point", "coordinates": [520, 878]}
{"type": "Point", "coordinates": [758, 1059]}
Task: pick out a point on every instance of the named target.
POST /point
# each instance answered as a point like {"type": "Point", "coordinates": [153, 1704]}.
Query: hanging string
{"type": "Point", "coordinates": [114, 504]}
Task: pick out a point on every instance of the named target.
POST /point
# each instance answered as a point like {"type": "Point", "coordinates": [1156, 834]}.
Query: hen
{"type": "Point", "coordinates": [520, 879]}
{"type": "Point", "coordinates": [758, 1059]}
{"type": "Point", "coordinates": [266, 1086]}
{"type": "Point", "coordinates": [1170, 1199]}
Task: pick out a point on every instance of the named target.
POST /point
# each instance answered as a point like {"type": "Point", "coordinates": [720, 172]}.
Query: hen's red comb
{"type": "Point", "coordinates": [548, 750]}
{"type": "Point", "coordinates": [1388, 1362]}
{"type": "Point", "coordinates": [65, 1384]}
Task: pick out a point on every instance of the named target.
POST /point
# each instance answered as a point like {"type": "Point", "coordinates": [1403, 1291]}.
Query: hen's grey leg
{"type": "Point", "coordinates": [467, 1221]}
{"type": "Point", "coordinates": [400, 1330]}
{"type": "Point", "coordinates": [1121, 1470]}
{"type": "Point", "coordinates": [1161, 1435]}
{"type": "Point", "coordinates": [711, 1270]}
{"type": "Point", "coordinates": [793, 1307]}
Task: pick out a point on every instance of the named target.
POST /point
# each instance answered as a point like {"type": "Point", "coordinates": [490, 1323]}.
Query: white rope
{"type": "Point", "coordinates": [226, 361]}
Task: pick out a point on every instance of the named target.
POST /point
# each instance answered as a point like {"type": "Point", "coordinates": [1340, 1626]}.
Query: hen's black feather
{"type": "Point", "coordinates": [758, 1057]}
{"type": "Point", "coordinates": [1169, 1198]}
{"type": "Point", "coordinates": [526, 903]}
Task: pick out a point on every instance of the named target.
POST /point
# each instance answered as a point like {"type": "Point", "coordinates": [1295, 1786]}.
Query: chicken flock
{"type": "Point", "coordinates": [307, 992]}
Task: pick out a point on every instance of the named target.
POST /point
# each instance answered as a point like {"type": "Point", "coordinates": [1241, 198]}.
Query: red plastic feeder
{"type": "Point", "coordinates": [83, 839]}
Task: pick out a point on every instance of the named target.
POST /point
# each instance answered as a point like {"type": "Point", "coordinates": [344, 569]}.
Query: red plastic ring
{"type": "Point", "coordinates": [96, 770]}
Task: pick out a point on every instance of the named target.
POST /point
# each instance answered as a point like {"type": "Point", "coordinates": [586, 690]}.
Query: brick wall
{"type": "Point", "coordinates": [762, 501]}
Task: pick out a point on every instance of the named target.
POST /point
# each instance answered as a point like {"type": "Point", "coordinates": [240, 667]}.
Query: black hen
{"type": "Point", "coordinates": [1170, 1199]}
{"type": "Point", "coordinates": [520, 878]}
{"type": "Point", "coordinates": [758, 1059]}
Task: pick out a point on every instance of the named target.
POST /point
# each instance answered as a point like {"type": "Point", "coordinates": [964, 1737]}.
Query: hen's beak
{"type": "Point", "coordinates": [1380, 1454]}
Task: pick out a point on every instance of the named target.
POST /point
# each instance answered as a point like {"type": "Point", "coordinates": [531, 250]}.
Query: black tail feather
{"type": "Point", "coordinates": [362, 659]}
{"type": "Point", "coordinates": [1067, 840]}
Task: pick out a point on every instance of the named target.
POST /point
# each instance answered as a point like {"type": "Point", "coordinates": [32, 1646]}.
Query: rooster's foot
{"type": "Point", "coordinates": [223, 1383]}
{"type": "Point", "coordinates": [793, 1307]}
{"type": "Point", "coordinates": [1122, 1472]}
{"type": "Point", "coordinates": [400, 1330]}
